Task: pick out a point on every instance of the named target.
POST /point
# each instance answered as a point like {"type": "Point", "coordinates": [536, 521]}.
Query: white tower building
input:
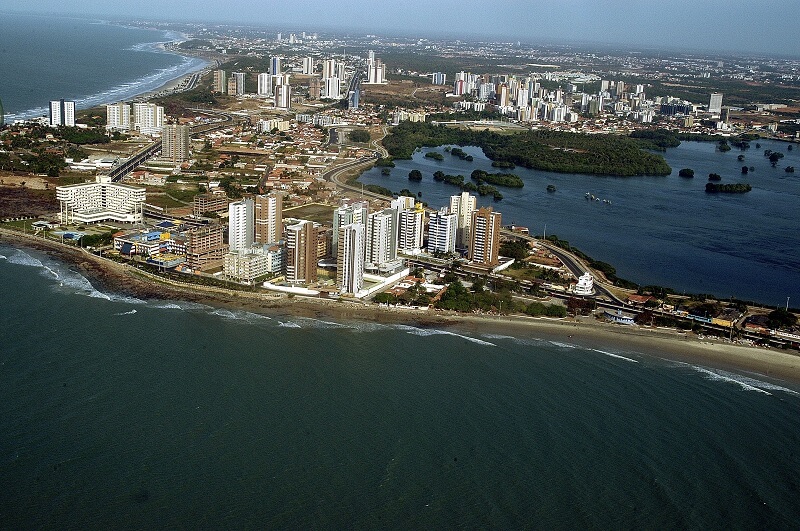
{"type": "Point", "coordinates": [462, 206]}
{"type": "Point", "coordinates": [240, 224]}
{"type": "Point", "coordinates": [442, 232]}
{"type": "Point", "coordinates": [62, 113]}
{"type": "Point", "coordinates": [118, 117]}
{"type": "Point", "coordinates": [350, 258]}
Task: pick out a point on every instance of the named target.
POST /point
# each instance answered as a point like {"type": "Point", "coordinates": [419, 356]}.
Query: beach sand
{"type": "Point", "coordinates": [587, 332]}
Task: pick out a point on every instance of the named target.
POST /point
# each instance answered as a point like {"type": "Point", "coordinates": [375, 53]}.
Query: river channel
{"type": "Point", "coordinates": [655, 230]}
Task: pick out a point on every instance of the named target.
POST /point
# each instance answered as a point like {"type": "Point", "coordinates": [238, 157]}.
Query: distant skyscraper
{"type": "Point", "coordinates": [275, 66]}
{"type": "Point", "coordinates": [240, 224]}
{"type": "Point", "coordinates": [350, 258]}
{"type": "Point", "coordinates": [283, 96]}
{"type": "Point", "coordinates": [442, 232]}
{"type": "Point", "coordinates": [715, 103]}
{"type": "Point", "coordinates": [333, 88]}
{"type": "Point", "coordinates": [439, 78]}
{"type": "Point", "coordinates": [308, 65]}
{"type": "Point", "coordinates": [462, 206]}
{"type": "Point", "coordinates": [328, 68]}
{"type": "Point", "coordinates": [264, 85]}
{"type": "Point", "coordinates": [220, 81]}
{"type": "Point", "coordinates": [269, 218]}
{"type": "Point", "coordinates": [118, 117]}
{"type": "Point", "coordinates": [240, 83]}
{"type": "Point", "coordinates": [62, 113]}
{"type": "Point", "coordinates": [148, 118]}
{"type": "Point", "coordinates": [301, 253]}
{"type": "Point", "coordinates": [485, 237]}
{"type": "Point", "coordinates": [175, 143]}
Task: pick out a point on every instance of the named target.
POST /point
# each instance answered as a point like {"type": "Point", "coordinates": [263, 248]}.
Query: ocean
{"type": "Point", "coordinates": [89, 61]}
{"type": "Point", "coordinates": [118, 412]}
{"type": "Point", "coordinates": [664, 231]}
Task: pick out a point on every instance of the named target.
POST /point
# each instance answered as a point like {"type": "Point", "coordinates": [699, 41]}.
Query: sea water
{"type": "Point", "coordinates": [152, 414]}
{"type": "Point", "coordinates": [91, 62]}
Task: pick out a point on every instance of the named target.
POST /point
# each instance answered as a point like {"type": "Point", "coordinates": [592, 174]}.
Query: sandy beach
{"type": "Point", "coordinates": [588, 332]}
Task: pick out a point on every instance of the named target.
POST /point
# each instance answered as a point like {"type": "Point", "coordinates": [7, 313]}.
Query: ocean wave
{"type": "Point", "coordinates": [131, 312]}
{"type": "Point", "coordinates": [126, 90]}
{"type": "Point", "coordinates": [530, 342]}
{"type": "Point", "coordinates": [240, 316]}
{"type": "Point", "coordinates": [746, 383]}
{"type": "Point", "coordinates": [562, 345]}
{"type": "Point", "coordinates": [289, 324]}
{"type": "Point", "coordinates": [425, 332]}
{"type": "Point", "coordinates": [613, 355]}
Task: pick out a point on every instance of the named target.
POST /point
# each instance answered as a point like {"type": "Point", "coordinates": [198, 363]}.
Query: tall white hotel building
{"type": "Point", "coordinates": [241, 221]}
{"type": "Point", "coordinates": [350, 259]}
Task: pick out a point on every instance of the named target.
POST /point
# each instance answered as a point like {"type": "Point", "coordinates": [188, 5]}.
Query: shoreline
{"type": "Point", "coordinates": [589, 333]}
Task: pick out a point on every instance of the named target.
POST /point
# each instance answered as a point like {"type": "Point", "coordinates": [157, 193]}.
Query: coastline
{"type": "Point", "coordinates": [589, 333]}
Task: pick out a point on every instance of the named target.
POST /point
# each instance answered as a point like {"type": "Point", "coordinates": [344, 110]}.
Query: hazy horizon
{"type": "Point", "coordinates": [718, 26]}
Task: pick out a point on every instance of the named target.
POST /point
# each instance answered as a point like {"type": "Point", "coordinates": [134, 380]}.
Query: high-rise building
{"type": "Point", "coordinates": [118, 117]}
{"type": "Point", "coordinates": [240, 224]}
{"type": "Point", "coordinates": [462, 206]}
{"type": "Point", "coordinates": [345, 215]}
{"type": "Point", "coordinates": [381, 239]}
{"type": "Point", "coordinates": [220, 81]}
{"type": "Point", "coordinates": [301, 253]}
{"type": "Point", "coordinates": [275, 66]}
{"type": "Point", "coordinates": [410, 229]}
{"type": "Point", "coordinates": [240, 83]}
{"type": "Point", "coordinates": [62, 113]}
{"type": "Point", "coordinates": [350, 258]}
{"type": "Point", "coordinates": [203, 204]}
{"type": "Point", "coordinates": [314, 89]}
{"type": "Point", "coordinates": [484, 245]}
{"type": "Point", "coordinates": [175, 142]}
{"type": "Point", "coordinates": [269, 218]}
{"type": "Point", "coordinates": [205, 248]}
{"type": "Point", "coordinates": [148, 118]}
{"type": "Point", "coordinates": [329, 68]}
{"type": "Point", "coordinates": [333, 88]}
{"type": "Point", "coordinates": [715, 103]}
{"type": "Point", "coordinates": [308, 66]}
{"type": "Point", "coordinates": [442, 232]}
{"type": "Point", "coordinates": [231, 85]}
{"type": "Point", "coordinates": [264, 85]}
{"type": "Point", "coordinates": [439, 78]}
{"type": "Point", "coordinates": [283, 96]}
{"type": "Point", "coordinates": [2, 115]}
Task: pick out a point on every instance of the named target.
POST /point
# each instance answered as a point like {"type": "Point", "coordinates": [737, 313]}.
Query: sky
{"type": "Point", "coordinates": [750, 26]}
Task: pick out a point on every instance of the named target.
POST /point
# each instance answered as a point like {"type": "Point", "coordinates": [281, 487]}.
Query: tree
{"type": "Point", "coordinates": [415, 175]}
{"type": "Point", "coordinates": [745, 170]}
{"type": "Point", "coordinates": [714, 177]}
{"type": "Point", "coordinates": [359, 135]}
{"type": "Point", "coordinates": [781, 318]}
{"type": "Point", "coordinates": [686, 172]}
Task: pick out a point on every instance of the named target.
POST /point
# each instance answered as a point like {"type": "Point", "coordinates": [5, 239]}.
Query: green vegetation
{"type": "Point", "coordinates": [536, 309]}
{"type": "Point", "coordinates": [516, 249]}
{"type": "Point", "coordinates": [458, 298]}
{"type": "Point", "coordinates": [434, 155]}
{"type": "Point", "coordinates": [499, 179]}
{"type": "Point", "coordinates": [506, 165]}
{"type": "Point", "coordinates": [460, 153]}
{"type": "Point", "coordinates": [386, 171]}
{"type": "Point", "coordinates": [385, 162]}
{"type": "Point", "coordinates": [686, 172]}
{"type": "Point", "coordinates": [415, 175]}
{"type": "Point", "coordinates": [543, 150]}
{"type": "Point", "coordinates": [359, 135]}
{"type": "Point", "coordinates": [723, 146]}
{"type": "Point", "coordinates": [458, 180]}
{"type": "Point", "coordinates": [737, 188]}
{"type": "Point", "coordinates": [714, 177]}
{"type": "Point", "coordinates": [657, 139]}
{"type": "Point", "coordinates": [781, 318]}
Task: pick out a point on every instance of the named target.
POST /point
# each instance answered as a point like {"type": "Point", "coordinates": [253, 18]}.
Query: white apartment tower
{"type": "Point", "coordinates": [100, 201]}
{"type": "Point", "coordinates": [283, 96]}
{"type": "Point", "coordinates": [240, 82]}
{"type": "Point", "coordinates": [175, 142]}
{"type": "Point", "coordinates": [410, 229]}
{"type": "Point", "coordinates": [240, 225]}
{"type": "Point", "coordinates": [148, 118]}
{"type": "Point", "coordinates": [264, 85]}
{"type": "Point", "coordinates": [350, 259]}
{"type": "Point", "coordinates": [333, 88]}
{"type": "Point", "coordinates": [329, 68]}
{"type": "Point", "coordinates": [442, 232]}
{"type": "Point", "coordinates": [118, 117]}
{"type": "Point", "coordinates": [715, 103]}
{"type": "Point", "coordinates": [381, 240]}
{"type": "Point", "coordinates": [346, 215]}
{"type": "Point", "coordinates": [62, 113]}
{"type": "Point", "coordinates": [308, 66]}
{"type": "Point", "coordinates": [462, 206]}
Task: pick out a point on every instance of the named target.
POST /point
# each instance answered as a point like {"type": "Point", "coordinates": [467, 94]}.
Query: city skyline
{"type": "Point", "coordinates": [732, 26]}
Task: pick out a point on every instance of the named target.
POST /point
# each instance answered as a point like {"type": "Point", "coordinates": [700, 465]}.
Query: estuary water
{"type": "Point", "coordinates": [117, 412]}
{"type": "Point", "coordinates": [92, 62]}
{"type": "Point", "coordinates": [656, 230]}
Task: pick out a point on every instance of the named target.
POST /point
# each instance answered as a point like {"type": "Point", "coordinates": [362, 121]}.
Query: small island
{"type": "Point", "coordinates": [737, 188]}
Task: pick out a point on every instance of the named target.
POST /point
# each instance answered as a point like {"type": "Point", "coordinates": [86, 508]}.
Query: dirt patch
{"type": "Point", "coordinates": [22, 202]}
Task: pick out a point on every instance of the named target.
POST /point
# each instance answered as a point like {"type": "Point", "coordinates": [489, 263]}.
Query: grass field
{"type": "Point", "coordinates": [312, 212]}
